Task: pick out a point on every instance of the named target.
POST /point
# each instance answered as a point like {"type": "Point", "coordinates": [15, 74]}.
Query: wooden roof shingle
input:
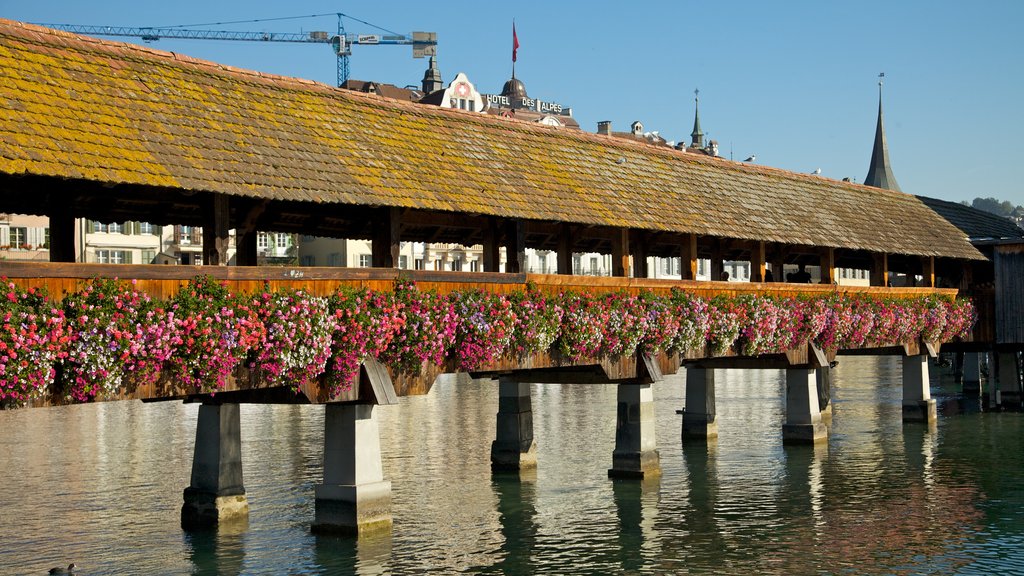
{"type": "Point", "coordinates": [78, 107]}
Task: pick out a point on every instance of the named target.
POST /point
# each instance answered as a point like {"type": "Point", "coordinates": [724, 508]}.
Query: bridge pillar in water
{"type": "Point", "coordinates": [699, 411]}
{"type": "Point", "coordinates": [513, 448]}
{"type": "Point", "coordinates": [972, 374]}
{"type": "Point", "coordinates": [1009, 391]}
{"type": "Point", "coordinates": [354, 497]}
{"type": "Point", "coordinates": [216, 493]}
{"type": "Point", "coordinates": [635, 454]}
{"type": "Point", "coordinates": [803, 414]}
{"type": "Point", "coordinates": [823, 377]}
{"type": "Point", "coordinates": [918, 405]}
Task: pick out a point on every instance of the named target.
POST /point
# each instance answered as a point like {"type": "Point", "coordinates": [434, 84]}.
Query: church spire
{"type": "Point", "coordinates": [432, 78]}
{"type": "Point", "coordinates": [880, 171]}
{"type": "Point", "coordinates": [697, 137]}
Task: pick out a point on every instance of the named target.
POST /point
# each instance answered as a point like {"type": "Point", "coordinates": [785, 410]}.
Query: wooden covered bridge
{"type": "Point", "coordinates": [115, 132]}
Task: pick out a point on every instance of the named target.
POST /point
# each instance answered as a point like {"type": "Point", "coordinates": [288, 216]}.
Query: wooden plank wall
{"type": "Point", "coordinates": [1009, 294]}
{"type": "Point", "coordinates": [164, 281]}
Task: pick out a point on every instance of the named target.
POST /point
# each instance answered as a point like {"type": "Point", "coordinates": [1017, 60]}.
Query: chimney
{"type": "Point", "coordinates": [604, 127]}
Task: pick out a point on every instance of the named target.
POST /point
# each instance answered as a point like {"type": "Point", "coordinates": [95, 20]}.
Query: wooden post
{"type": "Point", "coordinates": [216, 222]}
{"type": "Point", "coordinates": [928, 271]}
{"type": "Point", "coordinates": [515, 247]}
{"type": "Point", "coordinates": [717, 266]}
{"type": "Point", "coordinates": [757, 262]}
{"type": "Point", "coordinates": [246, 235]}
{"type": "Point", "coordinates": [967, 279]}
{"type": "Point", "coordinates": [620, 252]}
{"type": "Point", "coordinates": [688, 257]}
{"type": "Point", "coordinates": [62, 232]}
{"type": "Point", "coordinates": [492, 250]}
{"type": "Point", "coordinates": [880, 271]}
{"type": "Point", "coordinates": [778, 265]}
{"type": "Point", "coordinates": [387, 234]}
{"type": "Point", "coordinates": [565, 249]}
{"type": "Point", "coordinates": [828, 266]}
{"type": "Point", "coordinates": [639, 252]}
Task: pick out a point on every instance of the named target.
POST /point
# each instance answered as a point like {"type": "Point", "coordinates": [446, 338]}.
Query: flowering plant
{"type": "Point", "coordinates": [117, 337]}
{"type": "Point", "coordinates": [427, 331]}
{"type": "Point", "coordinates": [295, 341]}
{"type": "Point", "coordinates": [538, 321]}
{"type": "Point", "coordinates": [32, 339]}
{"type": "Point", "coordinates": [365, 323]}
{"type": "Point", "coordinates": [583, 321]}
{"type": "Point", "coordinates": [212, 333]}
{"type": "Point", "coordinates": [484, 329]}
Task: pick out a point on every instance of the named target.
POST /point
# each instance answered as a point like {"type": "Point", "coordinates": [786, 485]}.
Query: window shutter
{"type": "Point", "coordinates": [90, 226]}
{"type": "Point", "coordinates": [127, 256]}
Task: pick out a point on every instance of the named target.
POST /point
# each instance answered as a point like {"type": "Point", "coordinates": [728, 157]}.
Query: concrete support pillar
{"type": "Point", "coordinates": [699, 412]}
{"type": "Point", "coordinates": [824, 379]}
{"type": "Point", "coordinates": [354, 498]}
{"type": "Point", "coordinates": [216, 493]}
{"type": "Point", "coordinates": [972, 374]}
{"type": "Point", "coordinates": [918, 405]}
{"type": "Point", "coordinates": [513, 448]}
{"type": "Point", "coordinates": [803, 415]}
{"type": "Point", "coordinates": [635, 454]}
{"type": "Point", "coordinates": [1009, 392]}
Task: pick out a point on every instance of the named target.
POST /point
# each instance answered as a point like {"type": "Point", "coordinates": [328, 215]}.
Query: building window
{"type": "Point", "coordinates": [365, 261]}
{"type": "Point", "coordinates": [419, 264]}
{"type": "Point", "coordinates": [148, 256]}
{"type": "Point", "coordinates": [145, 228]}
{"type": "Point", "coordinates": [403, 262]}
{"type": "Point", "coordinates": [474, 265]}
{"type": "Point", "coordinates": [577, 265]}
{"type": "Point", "coordinates": [594, 266]}
{"type": "Point", "coordinates": [113, 257]}
{"type": "Point", "coordinates": [542, 263]}
{"type": "Point", "coordinates": [457, 265]}
{"type": "Point", "coordinates": [309, 260]}
{"type": "Point", "coordinates": [334, 259]}
{"type": "Point", "coordinates": [185, 235]}
{"type": "Point", "coordinates": [438, 265]}
{"type": "Point", "coordinates": [18, 237]}
{"type": "Point", "coordinates": [282, 240]}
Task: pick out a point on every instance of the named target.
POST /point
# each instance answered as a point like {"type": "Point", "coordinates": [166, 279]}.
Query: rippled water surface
{"type": "Point", "coordinates": [101, 485]}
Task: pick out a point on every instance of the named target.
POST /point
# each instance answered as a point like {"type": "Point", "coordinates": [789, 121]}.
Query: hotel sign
{"type": "Point", "coordinates": [499, 101]}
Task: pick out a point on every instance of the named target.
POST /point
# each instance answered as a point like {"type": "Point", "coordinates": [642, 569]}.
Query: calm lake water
{"type": "Point", "coordinates": [101, 485]}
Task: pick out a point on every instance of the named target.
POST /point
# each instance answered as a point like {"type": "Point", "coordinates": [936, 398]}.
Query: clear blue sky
{"type": "Point", "coordinates": [793, 82]}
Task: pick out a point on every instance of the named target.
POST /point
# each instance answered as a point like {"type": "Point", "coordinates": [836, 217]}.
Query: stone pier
{"type": "Point", "coordinates": [699, 411]}
{"type": "Point", "coordinates": [216, 493]}
{"type": "Point", "coordinates": [971, 379]}
{"type": "Point", "coordinates": [918, 405]}
{"type": "Point", "coordinates": [1009, 390]}
{"type": "Point", "coordinates": [354, 497]}
{"type": "Point", "coordinates": [635, 454]}
{"type": "Point", "coordinates": [824, 380]}
{"type": "Point", "coordinates": [513, 448]}
{"type": "Point", "coordinates": [803, 414]}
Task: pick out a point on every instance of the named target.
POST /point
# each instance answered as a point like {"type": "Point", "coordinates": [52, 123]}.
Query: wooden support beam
{"type": "Point", "coordinates": [967, 278]}
{"type": "Point", "coordinates": [492, 249]}
{"type": "Point", "coordinates": [215, 231]}
{"type": "Point", "coordinates": [757, 262]}
{"type": "Point", "coordinates": [828, 266]}
{"type": "Point", "coordinates": [880, 270]}
{"type": "Point", "coordinates": [565, 243]}
{"type": "Point", "coordinates": [515, 246]}
{"type": "Point", "coordinates": [387, 232]}
{"type": "Point", "coordinates": [639, 252]}
{"type": "Point", "coordinates": [717, 266]}
{"type": "Point", "coordinates": [62, 233]}
{"type": "Point", "coordinates": [245, 248]}
{"type": "Point", "coordinates": [620, 253]}
{"type": "Point", "coordinates": [928, 271]}
{"type": "Point", "coordinates": [688, 257]}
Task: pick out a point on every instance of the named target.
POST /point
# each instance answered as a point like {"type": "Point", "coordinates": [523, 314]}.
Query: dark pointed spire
{"type": "Point", "coordinates": [432, 78]}
{"type": "Point", "coordinates": [697, 137]}
{"type": "Point", "coordinates": [880, 171]}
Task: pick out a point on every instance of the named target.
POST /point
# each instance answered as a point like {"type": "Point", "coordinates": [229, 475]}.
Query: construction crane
{"type": "Point", "coordinates": [423, 43]}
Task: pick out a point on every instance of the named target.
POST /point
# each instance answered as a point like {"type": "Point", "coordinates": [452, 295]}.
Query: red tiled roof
{"type": "Point", "coordinates": [77, 107]}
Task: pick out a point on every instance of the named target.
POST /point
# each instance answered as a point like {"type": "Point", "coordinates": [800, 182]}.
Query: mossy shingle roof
{"type": "Point", "coordinates": [77, 107]}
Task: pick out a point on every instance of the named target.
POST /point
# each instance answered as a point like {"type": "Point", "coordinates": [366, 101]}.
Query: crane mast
{"type": "Point", "coordinates": [423, 43]}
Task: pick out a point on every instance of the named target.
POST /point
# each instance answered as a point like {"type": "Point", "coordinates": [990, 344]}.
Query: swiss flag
{"type": "Point", "coordinates": [515, 42]}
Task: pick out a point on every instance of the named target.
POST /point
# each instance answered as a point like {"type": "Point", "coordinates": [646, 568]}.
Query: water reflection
{"type": "Point", "coordinates": [219, 551]}
{"type": "Point", "coordinates": [101, 485]}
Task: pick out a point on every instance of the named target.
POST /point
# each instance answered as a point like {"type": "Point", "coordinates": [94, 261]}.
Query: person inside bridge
{"type": "Point", "coordinates": [800, 277]}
